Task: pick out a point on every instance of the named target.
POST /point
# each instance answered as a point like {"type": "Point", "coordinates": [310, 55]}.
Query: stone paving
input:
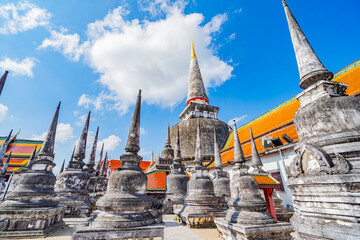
{"type": "Point", "coordinates": [173, 230]}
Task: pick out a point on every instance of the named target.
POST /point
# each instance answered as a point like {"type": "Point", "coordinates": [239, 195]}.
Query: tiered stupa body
{"type": "Point", "coordinates": [125, 212]}
{"type": "Point", "coordinates": [72, 185]}
{"type": "Point", "coordinates": [248, 217]}
{"type": "Point", "coordinates": [325, 174]}
{"type": "Point", "coordinates": [201, 204]}
{"type": "Point", "coordinates": [99, 188]}
{"type": "Point", "coordinates": [176, 182]}
{"type": "Point", "coordinates": [221, 179]}
{"type": "Point", "coordinates": [30, 209]}
{"type": "Point", "coordinates": [198, 108]}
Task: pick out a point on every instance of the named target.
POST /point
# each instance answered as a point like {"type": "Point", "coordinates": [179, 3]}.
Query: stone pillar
{"type": "Point", "coordinates": [201, 204]}
{"type": "Point", "coordinates": [325, 174]}
{"type": "Point", "coordinates": [176, 182]}
{"type": "Point", "coordinates": [125, 211]}
{"type": "Point", "coordinates": [72, 184]}
{"type": "Point", "coordinates": [30, 209]}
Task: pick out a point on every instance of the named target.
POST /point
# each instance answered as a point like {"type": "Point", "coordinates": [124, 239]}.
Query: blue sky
{"type": "Point", "coordinates": [95, 55]}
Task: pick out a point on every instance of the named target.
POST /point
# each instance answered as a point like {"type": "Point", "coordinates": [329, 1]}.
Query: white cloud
{"type": "Point", "coordinates": [145, 154]}
{"type": "Point", "coordinates": [21, 17]}
{"type": "Point", "coordinates": [3, 111]}
{"type": "Point", "coordinates": [149, 55]}
{"type": "Point", "coordinates": [110, 143]}
{"type": "Point", "coordinates": [143, 131]}
{"type": "Point", "coordinates": [18, 67]}
{"type": "Point", "coordinates": [237, 119]}
{"type": "Point", "coordinates": [67, 44]}
{"type": "Point", "coordinates": [64, 132]}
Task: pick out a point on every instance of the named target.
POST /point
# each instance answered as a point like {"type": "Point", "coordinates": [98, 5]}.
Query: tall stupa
{"type": "Point", "coordinates": [197, 107]}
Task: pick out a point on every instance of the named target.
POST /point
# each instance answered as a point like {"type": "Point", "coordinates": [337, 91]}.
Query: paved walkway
{"type": "Point", "coordinates": [173, 230]}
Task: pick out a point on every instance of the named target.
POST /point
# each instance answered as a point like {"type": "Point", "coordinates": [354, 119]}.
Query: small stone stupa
{"type": "Point", "coordinates": [221, 180]}
{"type": "Point", "coordinates": [30, 209]}
{"type": "Point", "coordinates": [89, 166]}
{"type": "Point", "coordinates": [201, 204]}
{"type": "Point", "coordinates": [282, 214]}
{"type": "Point", "coordinates": [176, 182]}
{"type": "Point", "coordinates": [125, 211]}
{"type": "Point", "coordinates": [256, 162]}
{"type": "Point", "coordinates": [72, 185]}
{"type": "Point", "coordinates": [325, 174]}
{"type": "Point", "coordinates": [248, 217]}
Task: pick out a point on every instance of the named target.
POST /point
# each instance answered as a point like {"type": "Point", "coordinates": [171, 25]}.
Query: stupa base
{"type": "Point", "coordinates": [232, 231]}
{"type": "Point", "coordinates": [75, 205]}
{"type": "Point", "coordinates": [30, 223]}
{"type": "Point", "coordinates": [150, 232]}
{"type": "Point", "coordinates": [199, 220]}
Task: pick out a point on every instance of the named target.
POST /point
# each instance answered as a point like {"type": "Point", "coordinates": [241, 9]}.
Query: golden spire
{"type": "Point", "coordinates": [193, 55]}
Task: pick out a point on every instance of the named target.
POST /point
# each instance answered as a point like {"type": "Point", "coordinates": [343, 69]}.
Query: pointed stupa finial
{"type": "Point", "coordinates": [238, 152]}
{"type": "Point", "coordinates": [31, 159]}
{"type": "Point", "coordinates": [255, 158]}
{"type": "Point", "coordinates": [167, 140]}
{"type": "Point", "coordinates": [217, 155]}
{"type": "Point", "coordinates": [196, 88]}
{"type": "Point", "coordinates": [193, 55]}
{"type": "Point", "coordinates": [91, 160]}
{"type": "Point", "coordinates": [311, 69]}
{"type": "Point", "coordinates": [4, 147]}
{"type": "Point", "coordinates": [62, 167]}
{"type": "Point", "coordinates": [104, 165]}
{"type": "Point", "coordinates": [3, 80]}
{"type": "Point", "coordinates": [133, 141]}
{"type": "Point", "coordinates": [198, 147]}
{"type": "Point", "coordinates": [81, 146]}
{"type": "Point", "coordinates": [167, 152]}
{"type": "Point", "coordinates": [98, 164]}
{"type": "Point", "coordinates": [47, 149]}
{"type": "Point", "coordinates": [6, 165]}
{"type": "Point", "coordinates": [71, 158]}
{"type": "Point", "coordinates": [177, 152]}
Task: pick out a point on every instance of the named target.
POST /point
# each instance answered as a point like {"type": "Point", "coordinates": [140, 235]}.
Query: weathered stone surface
{"type": "Point", "coordinates": [201, 204]}
{"type": "Point", "coordinates": [125, 211]}
{"type": "Point", "coordinates": [326, 207]}
{"type": "Point", "coordinates": [247, 217]}
{"type": "Point", "coordinates": [325, 174]}
{"type": "Point", "coordinates": [187, 130]}
{"type": "Point", "coordinates": [72, 185]}
{"type": "Point", "coordinates": [220, 180]}
{"type": "Point", "coordinates": [310, 67]}
{"type": "Point", "coordinates": [72, 192]}
{"type": "Point", "coordinates": [176, 182]}
{"type": "Point", "coordinates": [231, 231]}
{"type": "Point", "coordinates": [30, 209]}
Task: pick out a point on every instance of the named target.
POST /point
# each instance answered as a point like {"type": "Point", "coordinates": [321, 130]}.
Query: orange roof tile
{"type": "Point", "coordinates": [115, 164]}
{"type": "Point", "coordinates": [156, 180]}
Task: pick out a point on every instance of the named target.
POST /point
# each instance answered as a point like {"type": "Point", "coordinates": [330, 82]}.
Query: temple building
{"type": "Point", "coordinates": [21, 151]}
{"type": "Point", "coordinates": [197, 107]}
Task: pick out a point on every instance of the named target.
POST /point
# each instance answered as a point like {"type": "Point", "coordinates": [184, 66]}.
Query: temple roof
{"type": "Point", "coordinates": [280, 120]}
{"type": "Point", "coordinates": [21, 152]}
